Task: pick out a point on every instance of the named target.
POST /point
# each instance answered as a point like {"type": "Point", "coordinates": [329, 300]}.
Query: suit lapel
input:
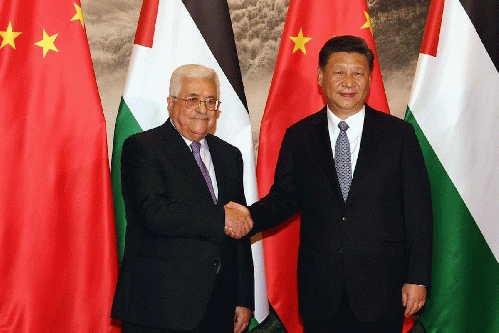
{"type": "Point", "coordinates": [321, 143]}
{"type": "Point", "coordinates": [369, 146]}
{"type": "Point", "coordinates": [217, 157]}
{"type": "Point", "coordinates": [180, 155]}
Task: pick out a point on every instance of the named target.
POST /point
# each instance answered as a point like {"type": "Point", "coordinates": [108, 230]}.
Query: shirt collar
{"type": "Point", "coordinates": [355, 122]}
{"type": "Point", "coordinates": [188, 142]}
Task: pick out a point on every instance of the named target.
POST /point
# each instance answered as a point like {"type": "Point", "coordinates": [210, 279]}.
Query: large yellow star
{"type": "Point", "coordinates": [78, 15]}
{"type": "Point", "coordinates": [368, 23]}
{"type": "Point", "coordinates": [300, 42]}
{"type": "Point", "coordinates": [9, 36]}
{"type": "Point", "coordinates": [47, 43]}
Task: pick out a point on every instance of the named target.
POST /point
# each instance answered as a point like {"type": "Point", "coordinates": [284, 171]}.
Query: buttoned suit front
{"type": "Point", "coordinates": [175, 241]}
{"type": "Point", "coordinates": [372, 244]}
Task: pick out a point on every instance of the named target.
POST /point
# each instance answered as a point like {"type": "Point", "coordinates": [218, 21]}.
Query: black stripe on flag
{"type": "Point", "coordinates": [213, 21]}
{"type": "Point", "coordinates": [484, 14]}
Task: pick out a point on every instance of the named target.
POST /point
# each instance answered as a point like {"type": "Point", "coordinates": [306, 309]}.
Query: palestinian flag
{"type": "Point", "coordinates": [171, 33]}
{"type": "Point", "coordinates": [454, 107]}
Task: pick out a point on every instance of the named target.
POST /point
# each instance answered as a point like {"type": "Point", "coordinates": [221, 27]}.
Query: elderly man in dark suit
{"type": "Point", "coordinates": [358, 178]}
{"type": "Point", "coordinates": [180, 271]}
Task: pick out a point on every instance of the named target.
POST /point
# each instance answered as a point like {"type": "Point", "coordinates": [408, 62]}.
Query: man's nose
{"type": "Point", "coordinates": [348, 81]}
{"type": "Point", "coordinates": [201, 108]}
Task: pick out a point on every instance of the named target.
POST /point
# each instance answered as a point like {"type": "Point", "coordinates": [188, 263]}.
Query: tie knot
{"type": "Point", "coordinates": [343, 126]}
{"type": "Point", "coordinates": [196, 147]}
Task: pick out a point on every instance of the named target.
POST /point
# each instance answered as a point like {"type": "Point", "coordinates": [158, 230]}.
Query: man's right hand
{"type": "Point", "coordinates": [238, 222]}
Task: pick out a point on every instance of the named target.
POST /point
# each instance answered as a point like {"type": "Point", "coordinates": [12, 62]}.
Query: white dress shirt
{"type": "Point", "coordinates": [354, 132]}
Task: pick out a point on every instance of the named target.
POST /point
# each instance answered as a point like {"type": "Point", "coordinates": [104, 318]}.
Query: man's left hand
{"type": "Point", "coordinates": [241, 319]}
{"type": "Point", "coordinates": [413, 298]}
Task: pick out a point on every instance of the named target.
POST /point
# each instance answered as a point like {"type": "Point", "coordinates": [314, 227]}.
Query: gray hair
{"type": "Point", "coordinates": [192, 71]}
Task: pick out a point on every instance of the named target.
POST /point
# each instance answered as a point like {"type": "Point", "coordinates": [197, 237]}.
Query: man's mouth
{"type": "Point", "coordinates": [200, 117]}
{"type": "Point", "coordinates": [347, 95]}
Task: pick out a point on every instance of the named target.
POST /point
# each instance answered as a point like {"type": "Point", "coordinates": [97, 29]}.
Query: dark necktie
{"type": "Point", "coordinates": [342, 160]}
{"type": "Point", "coordinates": [196, 146]}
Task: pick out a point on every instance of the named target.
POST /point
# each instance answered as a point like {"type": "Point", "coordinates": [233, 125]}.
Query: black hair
{"type": "Point", "coordinates": [346, 43]}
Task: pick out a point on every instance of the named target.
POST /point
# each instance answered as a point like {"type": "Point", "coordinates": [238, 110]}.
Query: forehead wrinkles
{"type": "Point", "coordinates": [198, 87]}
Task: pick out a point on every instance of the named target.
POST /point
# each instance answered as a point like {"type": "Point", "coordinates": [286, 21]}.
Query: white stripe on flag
{"type": "Point", "coordinates": [147, 89]}
{"type": "Point", "coordinates": [457, 108]}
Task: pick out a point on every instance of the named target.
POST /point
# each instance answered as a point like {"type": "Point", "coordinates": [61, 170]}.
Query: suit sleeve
{"type": "Point", "coordinates": [245, 270]}
{"type": "Point", "coordinates": [418, 215]}
{"type": "Point", "coordinates": [145, 192]}
{"type": "Point", "coordinates": [281, 202]}
{"type": "Point", "coordinates": [246, 280]}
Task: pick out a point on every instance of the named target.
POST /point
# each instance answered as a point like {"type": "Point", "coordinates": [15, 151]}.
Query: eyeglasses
{"type": "Point", "coordinates": [212, 104]}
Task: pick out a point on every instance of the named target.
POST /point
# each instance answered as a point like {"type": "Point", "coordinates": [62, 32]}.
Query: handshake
{"type": "Point", "coordinates": [238, 222]}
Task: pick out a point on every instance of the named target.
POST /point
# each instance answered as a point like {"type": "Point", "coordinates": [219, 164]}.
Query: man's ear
{"type": "Point", "coordinates": [320, 75]}
{"type": "Point", "coordinates": [170, 101]}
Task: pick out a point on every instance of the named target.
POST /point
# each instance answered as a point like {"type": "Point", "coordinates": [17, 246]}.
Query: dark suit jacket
{"type": "Point", "coordinates": [376, 241]}
{"type": "Point", "coordinates": [175, 234]}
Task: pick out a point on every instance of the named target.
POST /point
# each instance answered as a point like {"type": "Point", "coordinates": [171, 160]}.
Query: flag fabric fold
{"type": "Point", "coordinates": [453, 107]}
{"type": "Point", "coordinates": [58, 262]}
{"type": "Point", "coordinates": [171, 33]}
{"type": "Point", "coordinates": [295, 94]}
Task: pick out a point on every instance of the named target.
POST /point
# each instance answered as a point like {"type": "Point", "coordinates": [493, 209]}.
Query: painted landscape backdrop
{"type": "Point", "coordinates": [258, 24]}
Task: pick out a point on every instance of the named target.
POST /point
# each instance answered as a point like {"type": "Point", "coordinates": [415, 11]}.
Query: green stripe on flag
{"type": "Point", "coordinates": [126, 125]}
{"type": "Point", "coordinates": [465, 279]}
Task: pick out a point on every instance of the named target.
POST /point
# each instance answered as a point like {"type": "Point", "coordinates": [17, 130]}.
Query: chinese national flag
{"type": "Point", "coordinates": [58, 262]}
{"type": "Point", "coordinates": [295, 94]}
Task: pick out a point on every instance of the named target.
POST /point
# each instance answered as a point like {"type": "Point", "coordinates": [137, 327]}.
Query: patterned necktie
{"type": "Point", "coordinates": [196, 147]}
{"type": "Point", "coordinates": [342, 160]}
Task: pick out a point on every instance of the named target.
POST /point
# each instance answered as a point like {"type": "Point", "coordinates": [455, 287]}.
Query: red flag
{"type": "Point", "coordinates": [295, 94]}
{"type": "Point", "coordinates": [58, 262]}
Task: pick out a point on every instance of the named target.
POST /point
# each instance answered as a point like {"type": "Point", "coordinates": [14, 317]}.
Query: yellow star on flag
{"type": "Point", "coordinates": [9, 36]}
{"type": "Point", "coordinates": [300, 42]}
{"type": "Point", "coordinates": [78, 15]}
{"type": "Point", "coordinates": [47, 43]}
{"type": "Point", "coordinates": [368, 23]}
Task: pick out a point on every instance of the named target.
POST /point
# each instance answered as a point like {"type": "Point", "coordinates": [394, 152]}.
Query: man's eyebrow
{"type": "Point", "coordinates": [197, 95]}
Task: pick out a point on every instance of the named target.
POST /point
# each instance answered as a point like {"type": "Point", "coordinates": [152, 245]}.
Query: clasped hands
{"type": "Point", "coordinates": [238, 222]}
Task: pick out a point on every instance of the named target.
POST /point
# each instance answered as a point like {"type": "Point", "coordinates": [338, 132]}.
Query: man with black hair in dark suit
{"type": "Point", "coordinates": [358, 178]}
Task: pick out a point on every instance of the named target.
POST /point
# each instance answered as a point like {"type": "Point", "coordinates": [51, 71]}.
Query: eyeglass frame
{"type": "Point", "coordinates": [218, 102]}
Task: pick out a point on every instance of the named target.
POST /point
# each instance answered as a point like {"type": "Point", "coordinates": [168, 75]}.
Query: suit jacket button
{"type": "Point", "coordinates": [216, 263]}
{"type": "Point", "coordinates": [345, 219]}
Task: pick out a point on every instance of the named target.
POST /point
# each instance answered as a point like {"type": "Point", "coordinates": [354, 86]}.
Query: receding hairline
{"type": "Point", "coordinates": [192, 71]}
